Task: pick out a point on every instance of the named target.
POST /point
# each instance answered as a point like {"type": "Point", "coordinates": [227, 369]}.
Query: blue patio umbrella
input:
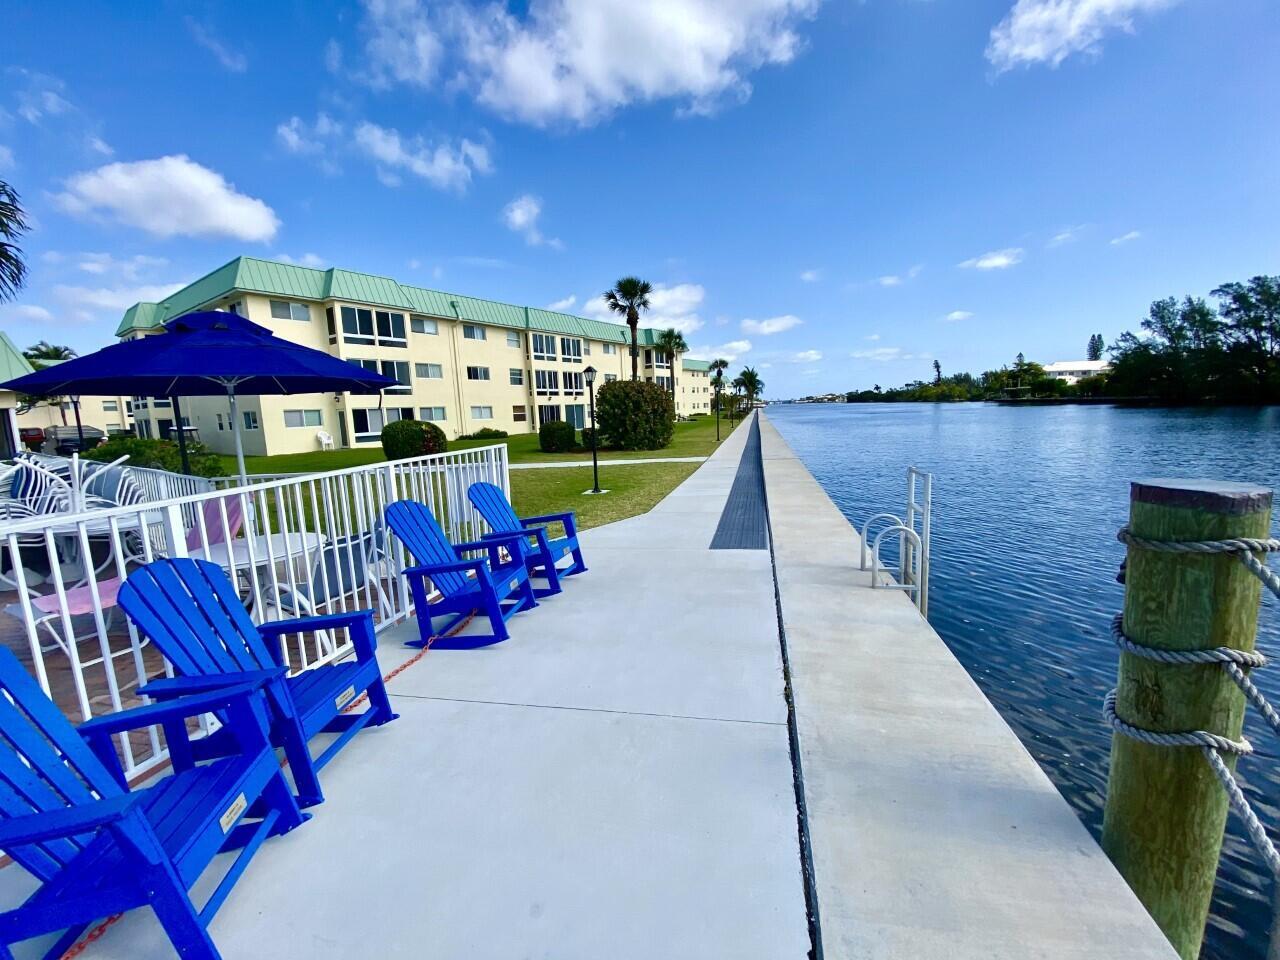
{"type": "Point", "coordinates": [201, 355]}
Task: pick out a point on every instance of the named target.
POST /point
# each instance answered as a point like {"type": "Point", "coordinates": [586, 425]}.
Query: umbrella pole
{"type": "Point", "coordinates": [75, 406]}
{"type": "Point", "coordinates": [235, 432]}
{"type": "Point", "coordinates": [182, 436]}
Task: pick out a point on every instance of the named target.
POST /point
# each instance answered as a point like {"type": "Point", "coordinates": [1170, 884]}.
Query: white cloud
{"type": "Point", "coordinates": [811, 276]}
{"type": "Point", "coordinates": [995, 259]}
{"type": "Point", "coordinates": [25, 313]}
{"type": "Point", "coordinates": [956, 316]}
{"type": "Point", "coordinates": [297, 136]}
{"type": "Point", "coordinates": [313, 260]}
{"type": "Point", "coordinates": [170, 196]}
{"type": "Point", "coordinates": [915, 271]}
{"type": "Point", "coordinates": [38, 95]}
{"type": "Point", "coordinates": [443, 165]}
{"type": "Point", "coordinates": [521, 216]}
{"type": "Point", "coordinates": [887, 355]}
{"type": "Point", "coordinates": [890, 281]}
{"type": "Point", "coordinates": [1066, 235]}
{"type": "Point", "coordinates": [872, 336]}
{"type": "Point", "coordinates": [1049, 31]}
{"type": "Point", "coordinates": [1126, 238]}
{"type": "Point", "coordinates": [668, 307]}
{"type": "Point", "coordinates": [6, 158]}
{"type": "Point", "coordinates": [100, 146]}
{"type": "Point", "coordinates": [564, 60]}
{"type": "Point", "coordinates": [87, 303]}
{"type": "Point", "coordinates": [764, 328]}
{"type": "Point", "coordinates": [230, 59]}
{"type": "Point", "coordinates": [127, 268]}
{"type": "Point", "coordinates": [805, 356]}
{"type": "Point", "coordinates": [333, 56]}
{"type": "Point", "coordinates": [565, 304]}
{"type": "Point", "coordinates": [730, 351]}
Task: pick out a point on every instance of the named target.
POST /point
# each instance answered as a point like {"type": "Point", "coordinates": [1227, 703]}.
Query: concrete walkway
{"type": "Point", "coordinates": [934, 833]}
{"type": "Point", "coordinates": [613, 781]}
{"type": "Point", "coordinates": [610, 463]}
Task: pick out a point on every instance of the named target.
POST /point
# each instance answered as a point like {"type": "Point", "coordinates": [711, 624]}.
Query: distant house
{"type": "Point", "coordinates": [1073, 371]}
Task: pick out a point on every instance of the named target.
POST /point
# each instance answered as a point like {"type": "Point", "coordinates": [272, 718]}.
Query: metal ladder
{"type": "Point", "coordinates": [913, 532]}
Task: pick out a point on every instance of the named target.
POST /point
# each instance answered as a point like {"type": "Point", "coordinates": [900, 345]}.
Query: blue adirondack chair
{"type": "Point", "coordinates": [191, 612]}
{"type": "Point", "coordinates": [541, 555]}
{"type": "Point", "coordinates": [486, 586]}
{"type": "Point", "coordinates": [98, 847]}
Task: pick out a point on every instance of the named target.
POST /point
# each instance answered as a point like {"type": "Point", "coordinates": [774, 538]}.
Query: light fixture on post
{"type": "Point", "coordinates": [718, 381]}
{"type": "Point", "coordinates": [589, 375]}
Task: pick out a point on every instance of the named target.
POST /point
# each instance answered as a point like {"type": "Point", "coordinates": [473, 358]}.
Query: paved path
{"type": "Point", "coordinates": [613, 781]}
{"type": "Point", "coordinates": [604, 463]}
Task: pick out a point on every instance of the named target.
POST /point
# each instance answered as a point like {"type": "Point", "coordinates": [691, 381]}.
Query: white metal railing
{"type": "Point", "coordinates": [292, 546]}
{"type": "Point", "coordinates": [914, 533]}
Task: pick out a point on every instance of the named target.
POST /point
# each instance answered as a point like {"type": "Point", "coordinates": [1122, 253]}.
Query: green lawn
{"type": "Point", "coordinates": [632, 490]}
{"type": "Point", "coordinates": [693, 438]}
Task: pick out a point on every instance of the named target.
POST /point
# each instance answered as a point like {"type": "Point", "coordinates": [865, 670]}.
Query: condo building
{"type": "Point", "coordinates": [461, 362]}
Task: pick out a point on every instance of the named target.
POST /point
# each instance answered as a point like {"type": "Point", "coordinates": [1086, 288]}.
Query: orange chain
{"type": "Point", "coordinates": [97, 932]}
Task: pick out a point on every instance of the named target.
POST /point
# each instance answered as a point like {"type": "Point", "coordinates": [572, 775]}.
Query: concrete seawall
{"type": "Point", "coordinates": [933, 832]}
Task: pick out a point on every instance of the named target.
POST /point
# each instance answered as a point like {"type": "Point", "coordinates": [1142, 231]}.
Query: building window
{"type": "Point", "coordinates": [520, 413]}
{"type": "Point", "coordinates": [610, 377]}
{"type": "Point", "coordinates": [110, 406]}
{"type": "Point", "coordinates": [329, 322]}
{"type": "Point", "coordinates": [513, 339]}
{"type": "Point", "coordinates": [546, 382]}
{"type": "Point", "coordinates": [544, 346]}
{"type": "Point", "coordinates": [251, 419]}
{"type": "Point", "coordinates": [220, 427]}
{"type": "Point", "coordinates": [395, 369]}
{"type": "Point", "coordinates": [155, 403]}
{"type": "Point", "coordinates": [573, 383]}
{"type": "Point", "coordinates": [586, 348]}
{"type": "Point", "coordinates": [369, 423]}
{"type": "Point", "coordinates": [548, 413]}
{"type": "Point", "coordinates": [482, 413]}
{"type": "Point", "coordinates": [517, 377]}
{"type": "Point", "coordinates": [303, 418]}
{"type": "Point", "coordinates": [419, 324]}
{"type": "Point", "coordinates": [235, 308]}
{"type": "Point", "coordinates": [610, 349]}
{"type": "Point", "coordinates": [575, 413]}
{"type": "Point", "coordinates": [289, 310]}
{"type": "Point", "coordinates": [477, 373]}
{"type": "Point", "coordinates": [431, 413]}
{"type": "Point", "coordinates": [571, 349]}
{"type": "Point", "coordinates": [664, 382]}
{"type": "Point", "coordinates": [472, 332]}
{"type": "Point", "coordinates": [429, 371]}
{"type": "Point", "coordinates": [390, 328]}
{"type": "Point", "coordinates": [357, 326]}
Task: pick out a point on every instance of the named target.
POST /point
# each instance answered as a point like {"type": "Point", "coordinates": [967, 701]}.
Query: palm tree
{"type": "Point", "coordinates": [671, 342]}
{"type": "Point", "coordinates": [628, 297]}
{"type": "Point", "coordinates": [740, 386]}
{"type": "Point", "coordinates": [752, 385]}
{"type": "Point", "coordinates": [13, 223]}
{"type": "Point", "coordinates": [717, 368]}
{"type": "Point", "coordinates": [44, 352]}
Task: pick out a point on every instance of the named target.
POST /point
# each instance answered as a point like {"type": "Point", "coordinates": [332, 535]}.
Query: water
{"type": "Point", "coordinates": [1026, 504]}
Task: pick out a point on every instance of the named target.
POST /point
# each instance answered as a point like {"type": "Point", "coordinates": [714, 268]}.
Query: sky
{"type": "Point", "coordinates": [834, 192]}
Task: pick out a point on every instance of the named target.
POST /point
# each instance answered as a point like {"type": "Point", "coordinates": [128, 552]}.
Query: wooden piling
{"type": "Point", "coordinates": [1165, 810]}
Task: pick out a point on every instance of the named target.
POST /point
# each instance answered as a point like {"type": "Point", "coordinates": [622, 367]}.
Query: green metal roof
{"type": "Point", "coordinates": [249, 275]}
{"type": "Point", "coordinates": [12, 363]}
{"type": "Point", "coordinates": [703, 365]}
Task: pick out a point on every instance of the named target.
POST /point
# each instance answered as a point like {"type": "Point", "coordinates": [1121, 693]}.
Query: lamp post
{"type": "Point", "coordinates": [589, 375]}
{"type": "Point", "coordinates": [717, 383]}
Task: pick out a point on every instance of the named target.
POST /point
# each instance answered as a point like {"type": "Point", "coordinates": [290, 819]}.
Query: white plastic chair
{"type": "Point", "coordinates": [325, 438]}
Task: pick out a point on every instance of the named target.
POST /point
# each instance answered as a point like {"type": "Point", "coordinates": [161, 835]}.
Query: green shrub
{"type": "Point", "coordinates": [633, 415]}
{"type": "Point", "coordinates": [587, 434]}
{"type": "Point", "coordinates": [402, 439]}
{"type": "Point", "coordinates": [485, 433]}
{"type": "Point", "coordinates": [159, 455]}
{"type": "Point", "coordinates": [557, 437]}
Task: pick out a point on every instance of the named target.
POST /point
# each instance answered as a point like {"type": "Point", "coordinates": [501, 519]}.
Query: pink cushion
{"type": "Point", "coordinates": [80, 599]}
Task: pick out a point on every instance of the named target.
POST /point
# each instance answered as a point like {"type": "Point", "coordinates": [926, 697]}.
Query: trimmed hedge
{"type": "Point", "coordinates": [634, 415]}
{"type": "Point", "coordinates": [485, 433]}
{"type": "Point", "coordinates": [403, 439]}
{"type": "Point", "coordinates": [557, 437]}
{"type": "Point", "coordinates": [587, 434]}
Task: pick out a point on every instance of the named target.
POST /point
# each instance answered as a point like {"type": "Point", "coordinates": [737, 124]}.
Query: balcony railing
{"type": "Point", "coordinates": [292, 545]}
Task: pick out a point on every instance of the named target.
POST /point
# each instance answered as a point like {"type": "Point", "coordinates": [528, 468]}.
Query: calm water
{"type": "Point", "coordinates": [1026, 505]}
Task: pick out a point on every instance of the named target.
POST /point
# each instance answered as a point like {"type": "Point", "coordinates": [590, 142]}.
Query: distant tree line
{"type": "Point", "coordinates": [1187, 351]}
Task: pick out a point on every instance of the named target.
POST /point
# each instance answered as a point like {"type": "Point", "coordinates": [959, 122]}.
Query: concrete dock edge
{"type": "Point", "coordinates": [932, 832]}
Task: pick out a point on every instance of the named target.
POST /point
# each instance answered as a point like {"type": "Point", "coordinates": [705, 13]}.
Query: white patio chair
{"type": "Point", "coordinates": [325, 438]}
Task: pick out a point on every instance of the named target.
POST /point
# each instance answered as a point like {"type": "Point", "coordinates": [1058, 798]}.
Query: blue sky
{"type": "Point", "coordinates": [836, 192]}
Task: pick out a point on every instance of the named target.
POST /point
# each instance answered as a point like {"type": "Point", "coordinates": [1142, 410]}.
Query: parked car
{"type": "Point", "coordinates": [66, 440]}
{"type": "Point", "coordinates": [32, 437]}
